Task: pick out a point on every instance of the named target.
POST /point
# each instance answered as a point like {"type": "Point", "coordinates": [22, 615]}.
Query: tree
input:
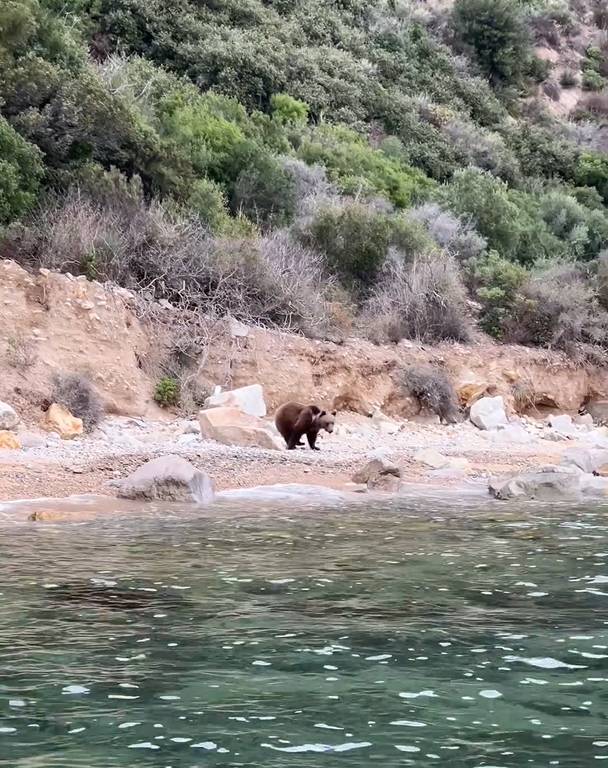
{"type": "Point", "coordinates": [495, 32]}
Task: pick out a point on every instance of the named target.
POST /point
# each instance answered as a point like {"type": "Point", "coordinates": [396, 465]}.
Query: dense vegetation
{"type": "Point", "coordinates": [312, 165]}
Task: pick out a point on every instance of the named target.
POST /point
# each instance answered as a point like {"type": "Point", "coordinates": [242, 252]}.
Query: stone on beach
{"type": "Point", "coordinates": [8, 416]}
{"type": "Point", "coordinates": [168, 478]}
{"type": "Point", "coordinates": [230, 426]}
{"type": "Point", "coordinates": [61, 421]}
{"type": "Point", "coordinates": [248, 399]}
{"type": "Point", "coordinates": [489, 413]}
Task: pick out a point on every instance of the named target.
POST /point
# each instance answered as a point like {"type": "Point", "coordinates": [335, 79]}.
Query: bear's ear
{"type": "Point", "coordinates": [315, 410]}
{"type": "Point", "coordinates": [334, 413]}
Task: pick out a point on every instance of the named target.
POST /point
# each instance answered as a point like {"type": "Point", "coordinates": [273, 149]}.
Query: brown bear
{"type": "Point", "coordinates": [294, 420]}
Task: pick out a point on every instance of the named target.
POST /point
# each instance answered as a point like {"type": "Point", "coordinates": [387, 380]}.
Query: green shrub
{"type": "Point", "coordinates": [487, 202]}
{"type": "Point", "coordinates": [495, 32]}
{"type": "Point", "coordinates": [20, 173]}
{"type": "Point", "coordinates": [593, 81]}
{"type": "Point", "coordinates": [356, 166]}
{"type": "Point", "coordinates": [592, 171]}
{"type": "Point", "coordinates": [355, 240]}
{"type": "Point", "coordinates": [495, 283]}
{"type": "Point", "coordinates": [286, 109]}
{"type": "Point", "coordinates": [265, 193]}
{"type": "Point", "coordinates": [166, 392]}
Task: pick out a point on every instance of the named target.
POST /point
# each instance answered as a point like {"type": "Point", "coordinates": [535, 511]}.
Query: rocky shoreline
{"type": "Point", "coordinates": [427, 455]}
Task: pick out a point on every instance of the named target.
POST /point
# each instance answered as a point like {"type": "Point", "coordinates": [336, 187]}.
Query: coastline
{"type": "Point", "coordinates": [88, 464]}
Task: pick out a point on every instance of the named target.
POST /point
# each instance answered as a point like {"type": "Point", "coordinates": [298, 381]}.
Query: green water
{"type": "Point", "coordinates": [389, 637]}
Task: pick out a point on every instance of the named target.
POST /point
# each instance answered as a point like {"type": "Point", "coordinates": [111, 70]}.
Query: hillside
{"type": "Point", "coordinates": [391, 169]}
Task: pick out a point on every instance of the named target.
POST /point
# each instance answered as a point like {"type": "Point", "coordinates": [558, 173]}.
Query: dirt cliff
{"type": "Point", "coordinates": [51, 322]}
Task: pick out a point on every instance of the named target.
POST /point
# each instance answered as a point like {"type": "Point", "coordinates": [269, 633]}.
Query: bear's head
{"type": "Point", "coordinates": [326, 420]}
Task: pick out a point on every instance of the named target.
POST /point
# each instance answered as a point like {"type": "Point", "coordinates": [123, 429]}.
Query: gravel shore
{"type": "Point", "coordinates": [51, 467]}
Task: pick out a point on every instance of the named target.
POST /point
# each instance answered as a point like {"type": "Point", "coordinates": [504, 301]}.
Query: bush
{"type": "Point", "coordinates": [273, 280]}
{"type": "Point", "coordinates": [433, 390]}
{"type": "Point", "coordinates": [568, 79]}
{"type": "Point", "coordinates": [20, 173]}
{"type": "Point", "coordinates": [495, 283]}
{"type": "Point", "coordinates": [265, 193]}
{"type": "Point", "coordinates": [495, 32]}
{"type": "Point", "coordinates": [357, 168]}
{"type": "Point", "coordinates": [76, 393]}
{"type": "Point", "coordinates": [355, 240]}
{"type": "Point", "coordinates": [286, 109]}
{"type": "Point", "coordinates": [166, 392]}
{"type": "Point", "coordinates": [486, 201]}
{"type": "Point", "coordinates": [483, 149]}
{"type": "Point", "coordinates": [423, 300]}
{"type": "Point", "coordinates": [593, 81]}
{"type": "Point", "coordinates": [457, 237]}
{"type": "Point", "coordinates": [558, 308]}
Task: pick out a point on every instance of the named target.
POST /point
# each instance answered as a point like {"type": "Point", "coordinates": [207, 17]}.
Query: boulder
{"type": "Point", "coordinates": [61, 421]}
{"type": "Point", "coordinates": [513, 434]}
{"type": "Point", "coordinates": [249, 400]}
{"type": "Point", "coordinates": [230, 426]}
{"type": "Point", "coordinates": [546, 486]}
{"type": "Point", "coordinates": [290, 493]}
{"type": "Point", "coordinates": [384, 424]}
{"type": "Point", "coordinates": [379, 474]}
{"type": "Point", "coordinates": [237, 329]}
{"type": "Point", "coordinates": [587, 460]}
{"type": "Point", "coordinates": [31, 440]}
{"type": "Point", "coordinates": [489, 413]}
{"type": "Point", "coordinates": [168, 478]}
{"type": "Point", "coordinates": [598, 410]}
{"type": "Point", "coordinates": [584, 420]}
{"type": "Point", "coordinates": [562, 424]}
{"type": "Point", "coordinates": [431, 458]}
{"type": "Point", "coordinates": [8, 441]}
{"type": "Point", "coordinates": [8, 416]}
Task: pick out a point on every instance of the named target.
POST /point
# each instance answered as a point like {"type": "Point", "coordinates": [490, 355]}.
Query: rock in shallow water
{"type": "Point", "coordinates": [168, 478]}
{"type": "Point", "coordinates": [291, 492]}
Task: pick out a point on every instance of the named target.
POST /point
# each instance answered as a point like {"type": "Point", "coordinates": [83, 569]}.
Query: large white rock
{"type": "Point", "coordinates": [489, 413]}
{"type": "Point", "coordinates": [230, 426]}
{"type": "Point", "coordinates": [544, 486]}
{"type": "Point", "coordinates": [513, 434]}
{"type": "Point", "coordinates": [8, 416]}
{"type": "Point", "coordinates": [586, 460]}
{"type": "Point", "coordinates": [168, 478]}
{"type": "Point", "coordinates": [432, 458]}
{"type": "Point", "coordinates": [285, 493]}
{"type": "Point", "coordinates": [562, 424]}
{"type": "Point", "coordinates": [249, 399]}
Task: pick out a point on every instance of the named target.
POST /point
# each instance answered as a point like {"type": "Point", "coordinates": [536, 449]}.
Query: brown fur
{"type": "Point", "coordinates": [293, 420]}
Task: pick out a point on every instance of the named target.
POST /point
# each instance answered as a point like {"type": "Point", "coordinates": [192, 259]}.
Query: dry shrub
{"type": "Point", "coordinates": [595, 103]}
{"type": "Point", "coordinates": [460, 238]}
{"type": "Point", "coordinates": [433, 390]}
{"type": "Point", "coordinates": [164, 254]}
{"type": "Point", "coordinates": [558, 308]}
{"type": "Point", "coordinates": [76, 393]}
{"type": "Point", "coordinates": [423, 300]}
{"type": "Point", "coordinates": [21, 352]}
{"type": "Point", "coordinates": [552, 90]}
